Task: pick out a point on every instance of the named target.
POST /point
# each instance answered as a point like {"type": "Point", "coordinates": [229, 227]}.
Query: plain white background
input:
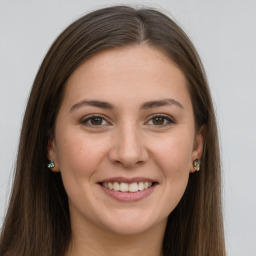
{"type": "Point", "coordinates": [223, 31]}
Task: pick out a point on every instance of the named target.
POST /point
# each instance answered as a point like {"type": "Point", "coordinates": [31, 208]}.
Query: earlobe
{"type": "Point", "coordinates": [52, 156]}
{"type": "Point", "coordinates": [198, 148]}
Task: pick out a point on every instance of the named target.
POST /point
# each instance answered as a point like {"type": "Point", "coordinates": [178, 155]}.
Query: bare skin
{"type": "Point", "coordinates": [126, 115]}
{"type": "Point", "coordinates": [103, 243]}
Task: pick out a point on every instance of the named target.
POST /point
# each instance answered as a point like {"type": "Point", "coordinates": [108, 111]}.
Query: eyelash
{"type": "Point", "coordinates": [168, 120]}
{"type": "Point", "coordinates": [165, 117]}
{"type": "Point", "coordinates": [85, 121]}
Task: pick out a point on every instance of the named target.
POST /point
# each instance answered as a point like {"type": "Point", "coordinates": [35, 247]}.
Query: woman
{"type": "Point", "coordinates": [119, 151]}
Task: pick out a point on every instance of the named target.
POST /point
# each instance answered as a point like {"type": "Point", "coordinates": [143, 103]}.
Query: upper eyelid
{"type": "Point", "coordinates": [161, 115]}
{"type": "Point", "coordinates": [86, 118]}
{"type": "Point", "coordinates": [148, 118]}
{"type": "Point", "coordinates": [94, 115]}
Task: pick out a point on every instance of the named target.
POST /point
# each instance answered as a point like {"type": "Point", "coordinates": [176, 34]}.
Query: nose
{"type": "Point", "coordinates": [128, 148]}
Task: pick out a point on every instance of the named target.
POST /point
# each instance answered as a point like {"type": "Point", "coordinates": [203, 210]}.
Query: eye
{"type": "Point", "coordinates": [94, 120]}
{"type": "Point", "coordinates": [160, 120]}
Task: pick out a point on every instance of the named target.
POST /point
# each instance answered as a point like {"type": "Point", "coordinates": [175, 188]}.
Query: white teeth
{"type": "Point", "coordinates": [141, 185]}
{"type": "Point", "coordinates": [116, 186]}
{"type": "Point", "coordinates": [125, 187]}
{"type": "Point", "coordinates": [110, 185]}
{"type": "Point", "coordinates": [133, 187]}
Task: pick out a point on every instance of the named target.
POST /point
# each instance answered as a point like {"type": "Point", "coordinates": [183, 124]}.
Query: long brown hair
{"type": "Point", "coordinates": [37, 221]}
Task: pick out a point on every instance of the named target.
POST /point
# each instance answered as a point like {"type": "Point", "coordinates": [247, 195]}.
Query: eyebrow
{"type": "Point", "coordinates": [106, 105]}
{"type": "Point", "coordinates": [160, 103]}
{"type": "Point", "coordinates": [94, 103]}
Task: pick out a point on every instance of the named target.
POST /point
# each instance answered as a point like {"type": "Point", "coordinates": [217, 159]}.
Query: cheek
{"type": "Point", "coordinates": [174, 159]}
{"type": "Point", "coordinates": [174, 155]}
{"type": "Point", "coordinates": [79, 155]}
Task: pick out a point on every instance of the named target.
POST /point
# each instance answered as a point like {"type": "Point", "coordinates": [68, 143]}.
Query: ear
{"type": "Point", "coordinates": [198, 146]}
{"type": "Point", "coordinates": [52, 155]}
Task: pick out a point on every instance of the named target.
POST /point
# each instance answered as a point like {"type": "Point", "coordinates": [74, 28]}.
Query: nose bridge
{"type": "Point", "coordinates": [128, 148]}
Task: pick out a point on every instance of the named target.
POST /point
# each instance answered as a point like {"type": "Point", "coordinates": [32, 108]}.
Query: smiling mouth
{"type": "Point", "coordinates": [128, 187]}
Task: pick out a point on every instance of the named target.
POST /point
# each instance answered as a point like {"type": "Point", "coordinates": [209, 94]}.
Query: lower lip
{"type": "Point", "coordinates": [128, 196]}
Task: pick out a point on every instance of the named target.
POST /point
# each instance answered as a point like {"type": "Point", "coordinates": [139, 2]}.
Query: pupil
{"type": "Point", "coordinates": [96, 121]}
{"type": "Point", "coordinates": [158, 120]}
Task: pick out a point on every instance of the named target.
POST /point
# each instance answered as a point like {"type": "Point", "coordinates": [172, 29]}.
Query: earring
{"type": "Point", "coordinates": [196, 164]}
{"type": "Point", "coordinates": [51, 164]}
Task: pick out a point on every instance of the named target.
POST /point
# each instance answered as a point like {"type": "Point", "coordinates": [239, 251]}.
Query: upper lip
{"type": "Point", "coordinates": [127, 180]}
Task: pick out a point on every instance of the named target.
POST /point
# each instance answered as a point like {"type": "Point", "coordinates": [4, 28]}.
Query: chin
{"type": "Point", "coordinates": [132, 223]}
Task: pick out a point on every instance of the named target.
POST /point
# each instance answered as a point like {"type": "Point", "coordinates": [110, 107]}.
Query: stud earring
{"type": "Point", "coordinates": [196, 164]}
{"type": "Point", "coordinates": [51, 164]}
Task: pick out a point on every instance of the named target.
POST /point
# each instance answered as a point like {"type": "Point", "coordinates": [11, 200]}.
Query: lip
{"type": "Point", "coordinates": [128, 180]}
{"type": "Point", "coordinates": [128, 196]}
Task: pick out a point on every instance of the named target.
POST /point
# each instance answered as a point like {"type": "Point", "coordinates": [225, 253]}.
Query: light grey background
{"type": "Point", "coordinates": [224, 32]}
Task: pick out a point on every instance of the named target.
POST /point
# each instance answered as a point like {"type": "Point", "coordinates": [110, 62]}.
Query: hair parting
{"type": "Point", "coordinates": [37, 221]}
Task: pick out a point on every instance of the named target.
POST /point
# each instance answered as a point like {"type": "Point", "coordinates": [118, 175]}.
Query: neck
{"type": "Point", "coordinates": [86, 240]}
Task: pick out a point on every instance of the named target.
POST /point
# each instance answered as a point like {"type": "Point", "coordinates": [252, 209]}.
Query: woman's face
{"type": "Point", "coordinates": [125, 140]}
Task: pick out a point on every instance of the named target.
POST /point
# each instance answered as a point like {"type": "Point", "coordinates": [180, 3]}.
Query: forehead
{"type": "Point", "coordinates": [135, 72]}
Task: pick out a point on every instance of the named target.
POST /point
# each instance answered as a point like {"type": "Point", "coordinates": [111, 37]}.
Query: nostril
{"type": "Point", "coordinates": [128, 164]}
{"type": "Point", "coordinates": [128, 152]}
